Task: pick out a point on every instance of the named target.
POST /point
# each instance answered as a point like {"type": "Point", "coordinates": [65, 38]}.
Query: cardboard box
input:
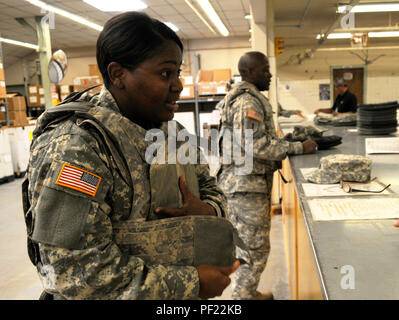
{"type": "Point", "coordinates": [221, 87]}
{"type": "Point", "coordinates": [87, 81]}
{"type": "Point", "coordinates": [78, 88]}
{"type": "Point", "coordinates": [3, 90]}
{"type": "Point", "coordinates": [16, 102]}
{"type": "Point", "coordinates": [205, 76]}
{"type": "Point", "coordinates": [66, 89]}
{"type": "Point", "coordinates": [34, 89]}
{"type": "Point", "coordinates": [94, 71]}
{"type": "Point", "coordinates": [63, 96]}
{"type": "Point", "coordinates": [221, 75]}
{"type": "Point", "coordinates": [2, 76]}
{"type": "Point", "coordinates": [53, 89]}
{"type": "Point", "coordinates": [34, 100]}
{"type": "Point", "coordinates": [18, 118]}
{"type": "Point", "coordinates": [207, 88]}
{"type": "Point", "coordinates": [187, 93]}
{"type": "Point", "coordinates": [187, 80]}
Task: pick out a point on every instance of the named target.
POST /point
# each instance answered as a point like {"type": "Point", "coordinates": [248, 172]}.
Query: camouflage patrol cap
{"type": "Point", "coordinates": [301, 133]}
{"type": "Point", "coordinates": [341, 167]}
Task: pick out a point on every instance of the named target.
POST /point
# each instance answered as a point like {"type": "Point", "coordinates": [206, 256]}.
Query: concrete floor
{"type": "Point", "coordinates": [19, 280]}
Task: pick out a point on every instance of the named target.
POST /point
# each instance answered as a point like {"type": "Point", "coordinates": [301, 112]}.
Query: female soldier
{"type": "Point", "coordinates": [77, 191]}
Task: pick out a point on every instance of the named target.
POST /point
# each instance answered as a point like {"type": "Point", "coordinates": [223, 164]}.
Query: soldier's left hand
{"type": "Point", "coordinates": [192, 206]}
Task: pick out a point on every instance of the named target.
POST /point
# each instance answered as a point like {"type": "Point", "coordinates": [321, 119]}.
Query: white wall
{"type": "Point", "coordinates": [78, 67]}
{"type": "Point", "coordinates": [304, 94]}
{"type": "Point", "coordinates": [382, 89]}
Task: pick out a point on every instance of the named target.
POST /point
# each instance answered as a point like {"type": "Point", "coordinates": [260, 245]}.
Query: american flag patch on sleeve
{"type": "Point", "coordinates": [78, 179]}
{"type": "Point", "coordinates": [254, 115]}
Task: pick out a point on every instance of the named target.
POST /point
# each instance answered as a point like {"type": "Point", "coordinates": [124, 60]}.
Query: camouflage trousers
{"type": "Point", "coordinates": [250, 215]}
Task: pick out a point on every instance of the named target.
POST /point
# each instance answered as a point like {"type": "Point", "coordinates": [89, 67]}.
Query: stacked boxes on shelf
{"type": "Point", "coordinates": [82, 83]}
{"type": "Point", "coordinates": [16, 109]}
{"type": "Point", "coordinates": [36, 95]}
{"type": "Point", "coordinates": [94, 78]}
{"type": "Point", "coordinates": [188, 87]}
{"type": "Point", "coordinates": [211, 82]}
{"type": "Point", "coordinates": [65, 91]}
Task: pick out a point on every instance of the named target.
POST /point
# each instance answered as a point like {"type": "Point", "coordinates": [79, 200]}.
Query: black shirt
{"type": "Point", "coordinates": [345, 103]}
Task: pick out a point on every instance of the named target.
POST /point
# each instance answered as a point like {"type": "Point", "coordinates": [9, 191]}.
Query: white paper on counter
{"type": "Point", "coordinates": [354, 209]}
{"type": "Point", "coordinates": [382, 145]}
{"type": "Point", "coordinates": [334, 190]}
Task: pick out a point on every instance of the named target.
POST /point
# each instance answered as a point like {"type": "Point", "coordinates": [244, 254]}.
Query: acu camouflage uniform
{"type": "Point", "coordinates": [75, 230]}
{"type": "Point", "coordinates": [285, 113]}
{"type": "Point", "coordinates": [249, 196]}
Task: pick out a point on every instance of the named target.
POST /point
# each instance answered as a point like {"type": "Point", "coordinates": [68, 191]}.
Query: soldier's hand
{"type": "Point", "coordinates": [317, 111]}
{"type": "Point", "coordinates": [309, 146]}
{"type": "Point", "coordinates": [192, 206]}
{"type": "Point", "coordinates": [213, 279]}
{"type": "Point", "coordinates": [396, 224]}
{"type": "Point", "coordinates": [299, 113]}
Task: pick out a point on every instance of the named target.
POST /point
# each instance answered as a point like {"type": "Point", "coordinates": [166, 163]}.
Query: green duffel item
{"type": "Point", "coordinates": [181, 241]}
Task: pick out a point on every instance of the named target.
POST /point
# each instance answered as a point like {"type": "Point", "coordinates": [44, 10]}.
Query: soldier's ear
{"type": "Point", "coordinates": [116, 74]}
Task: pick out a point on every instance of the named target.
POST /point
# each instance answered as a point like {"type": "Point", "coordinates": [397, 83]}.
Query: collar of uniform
{"type": "Point", "coordinates": [245, 85]}
{"type": "Point", "coordinates": [106, 100]}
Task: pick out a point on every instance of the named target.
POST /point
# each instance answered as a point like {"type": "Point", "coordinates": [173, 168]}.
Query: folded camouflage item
{"type": "Point", "coordinates": [301, 133]}
{"type": "Point", "coordinates": [337, 121]}
{"type": "Point", "coordinates": [341, 167]}
{"type": "Point", "coordinates": [181, 241]}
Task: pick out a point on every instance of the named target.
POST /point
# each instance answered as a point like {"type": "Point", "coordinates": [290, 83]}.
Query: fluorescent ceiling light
{"type": "Point", "coordinates": [208, 9]}
{"type": "Point", "coordinates": [372, 7]}
{"type": "Point", "coordinates": [117, 5]}
{"type": "Point", "coordinates": [248, 16]}
{"type": "Point", "coordinates": [385, 34]}
{"type": "Point", "coordinates": [172, 26]}
{"type": "Point", "coordinates": [65, 14]}
{"type": "Point", "coordinates": [19, 43]}
{"type": "Point", "coordinates": [200, 16]}
{"type": "Point", "coordinates": [337, 36]}
{"type": "Point", "coordinates": [345, 35]}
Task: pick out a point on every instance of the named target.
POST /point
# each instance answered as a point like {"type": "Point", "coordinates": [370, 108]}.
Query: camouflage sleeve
{"type": "Point", "coordinates": [80, 260]}
{"type": "Point", "coordinates": [251, 115]}
{"type": "Point", "coordinates": [285, 113]}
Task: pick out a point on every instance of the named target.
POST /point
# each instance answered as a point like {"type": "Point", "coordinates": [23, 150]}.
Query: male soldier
{"type": "Point", "coordinates": [249, 195]}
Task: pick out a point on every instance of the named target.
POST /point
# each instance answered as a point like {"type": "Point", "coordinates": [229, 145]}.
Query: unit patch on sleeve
{"type": "Point", "coordinates": [254, 115]}
{"type": "Point", "coordinates": [78, 179]}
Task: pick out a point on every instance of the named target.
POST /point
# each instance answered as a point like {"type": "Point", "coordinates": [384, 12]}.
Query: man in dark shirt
{"type": "Point", "coordinates": [346, 101]}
